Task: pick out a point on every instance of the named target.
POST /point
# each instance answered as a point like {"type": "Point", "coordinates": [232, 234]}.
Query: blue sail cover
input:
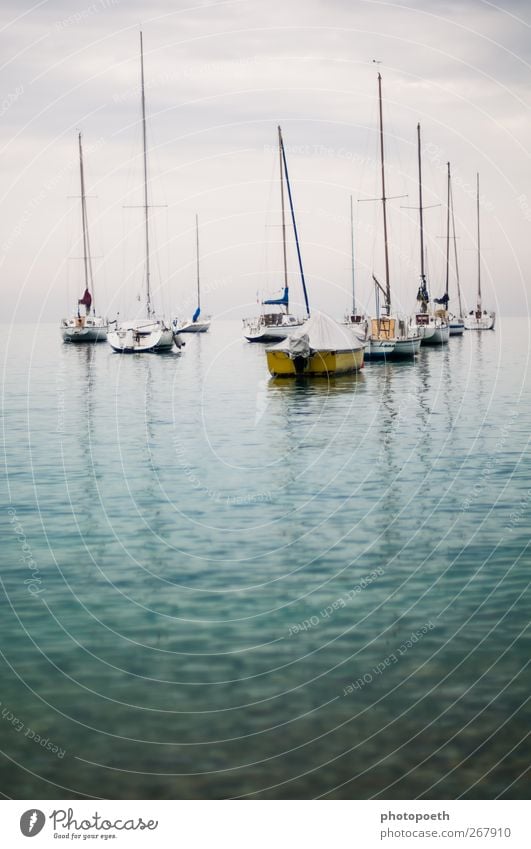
{"type": "Point", "coordinates": [196, 315]}
{"type": "Point", "coordinates": [281, 302]}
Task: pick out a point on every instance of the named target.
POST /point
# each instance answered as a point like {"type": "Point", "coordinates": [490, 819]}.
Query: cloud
{"type": "Point", "coordinates": [219, 77]}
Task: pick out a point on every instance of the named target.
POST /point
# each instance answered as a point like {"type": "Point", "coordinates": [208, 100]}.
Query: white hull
{"type": "Point", "coordinates": [379, 349]}
{"type": "Point", "coordinates": [425, 331]}
{"type": "Point", "coordinates": [258, 331]}
{"type": "Point", "coordinates": [139, 337]}
{"type": "Point", "coordinates": [200, 326]}
{"type": "Point", "coordinates": [457, 327]}
{"type": "Point", "coordinates": [485, 321]}
{"type": "Point", "coordinates": [406, 347]}
{"type": "Point", "coordinates": [440, 336]}
{"type": "Point", "coordinates": [76, 330]}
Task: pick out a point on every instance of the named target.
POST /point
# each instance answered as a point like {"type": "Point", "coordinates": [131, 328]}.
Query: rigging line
{"type": "Point", "coordinates": [294, 224]}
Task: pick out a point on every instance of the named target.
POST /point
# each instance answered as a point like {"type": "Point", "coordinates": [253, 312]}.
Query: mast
{"type": "Point", "coordinates": [286, 289]}
{"type": "Point", "coordinates": [283, 153]}
{"type": "Point", "coordinates": [146, 206]}
{"type": "Point", "coordinates": [384, 202]}
{"type": "Point", "coordinates": [421, 213]}
{"type": "Point", "coordinates": [479, 248]}
{"type": "Point", "coordinates": [352, 258]}
{"type": "Point", "coordinates": [455, 253]}
{"type": "Point", "coordinates": [197, 259]}
{"type": "Point", "coordinates": [448, 235]}
{"type": "Point", "coordinates": [89, 282]}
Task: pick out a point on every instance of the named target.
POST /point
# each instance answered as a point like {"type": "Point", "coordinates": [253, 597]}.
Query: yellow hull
{"type": "Point", "coordinates": [280, 364]}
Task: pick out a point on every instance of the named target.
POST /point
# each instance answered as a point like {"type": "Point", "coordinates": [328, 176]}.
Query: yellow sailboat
{"type": "Point", "coordinates": [321, 347]}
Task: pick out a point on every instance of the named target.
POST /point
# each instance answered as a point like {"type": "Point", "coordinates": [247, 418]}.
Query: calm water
{"type": "Point", "coordinates": [210, 581]}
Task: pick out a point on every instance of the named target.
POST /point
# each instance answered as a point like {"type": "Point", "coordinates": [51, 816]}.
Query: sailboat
{"type": "Point", "coordinates": [318, 346]}
{"type": "Point", "coordinates": [456, 323]}
{"type": "Point", "coordinates": [321, 348]}
{"type": "Point", "coordinates": [275, 326]}
{"type": "Point", "coordinates": [196, 324]}
{"type": "Point", "coordinates": [148, 333]}
{"type": "Point", "coordinates": [479, 319]}
{"type": "Point", "coordinates": [354, 318]}
{"type": "Point", "coordinates": [89, 327]}
{"type": "Point", "coordinates": [432, 329]}
{"type": "Point", "coordinates": [389, 334]}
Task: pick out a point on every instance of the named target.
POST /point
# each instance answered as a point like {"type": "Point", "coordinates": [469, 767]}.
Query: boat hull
{"type": "Point", "coordinates": [440, 336]}
{"type": "Point", "coordinates": [79, 330]}
{"type": "Point", "coordinates": [379, 349]}
{"type": "Point", "coordinates": [457, 328]}
{"type": "Point", "coordinates": [274, 327]}
{"type": "Point", "coordinates": [141, 338]}
{"type": "Point", "coordinates": [194, 326]}
{"type": "Point", "coordinates": [406, 347]}
{"type": "Point", "coordinates": [425, 332]}
{"type": "Point", "coordinates": [485, 321]}
{"type": "Point", "coordinates": [319, 363]}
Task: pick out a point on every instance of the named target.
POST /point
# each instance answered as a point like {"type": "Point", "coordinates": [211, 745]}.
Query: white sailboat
{"type": "Point", "coordinates": [389, 335]}
{"type": "Point", "coordinates": [148, 333]}
{"type": "Point", "coordinates": [276, 326]}
{"type": "Point", "coordinates": [456, 322]}
{"type": "Point", "coordinates": [432, 327]}
{"type": "Point", "coordinates": [479, 319]}
{"type": "Point", "coordinates": [356, 320]}
{"type": "Point", "coordinates": [198, 323]}
{"type": "Point", "coordinates": [89, 327]}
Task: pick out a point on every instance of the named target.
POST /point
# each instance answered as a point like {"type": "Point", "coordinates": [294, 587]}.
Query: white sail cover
{"type": "Point", "coordinates": [320, 333]}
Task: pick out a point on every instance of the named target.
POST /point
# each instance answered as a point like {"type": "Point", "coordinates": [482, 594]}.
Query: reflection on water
{"type": "Point", "coordinates": [217, 557]}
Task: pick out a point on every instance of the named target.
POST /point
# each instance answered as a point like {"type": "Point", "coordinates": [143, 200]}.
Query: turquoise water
{"type": "Point", "coordinates": [215, 585]}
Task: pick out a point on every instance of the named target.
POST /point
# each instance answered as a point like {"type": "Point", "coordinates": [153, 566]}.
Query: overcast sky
{"type": "Point", "coordinates": [220, 76]}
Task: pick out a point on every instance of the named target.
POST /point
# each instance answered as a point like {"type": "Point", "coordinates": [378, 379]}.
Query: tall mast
{"type": "Point", "coordinates": [384, 202]}
{"type": "Point", "coordinates": [281, 166]}
{"type": "Point", "coordinates": [303, 281]}
{"type": "Point", "coordinates": [479, 248]}
{"type": "Point", "coordinates": [89, 282]}
{"type": "Point", "coordinates": [421, 212]}
{"type": "Point", "coordinates": [146, 207]}
{"type": "Point", "coordinates": [197, 259]}
{"type": "Point", "coordinates": [448, 235]}
{"type": "Point", "coordinates": [352, 257]}
{"type": "Point", "coordinates": [455, 253]}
